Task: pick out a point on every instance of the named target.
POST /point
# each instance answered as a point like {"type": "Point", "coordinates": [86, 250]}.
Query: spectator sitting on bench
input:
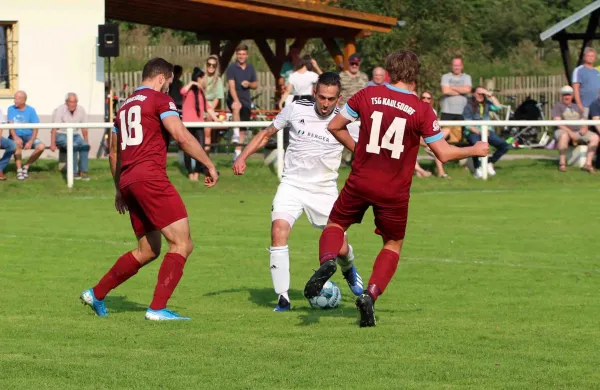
{"type": "Point", "coordinates": [24, 138]}
{"type": "Point", "coordinates": [71, 112]}
{"type": "Point", "coordinates": [9, 149]}
{"type": "Point", "coordinates": [478, 108]}
{"type": "Point", "coordinates": [566, 109]}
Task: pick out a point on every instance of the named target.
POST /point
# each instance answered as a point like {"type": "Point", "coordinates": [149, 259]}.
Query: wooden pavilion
{"type": "Point", "coordinates": [559, 33]}
{"type": "Point", "coordinates": [225, 23]}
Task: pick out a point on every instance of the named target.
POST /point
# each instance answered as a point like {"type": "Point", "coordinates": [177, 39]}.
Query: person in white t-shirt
{"type": "Point", "coordinates": [309, 180]}
{"type": "Point", "coordinates": [302, 81]}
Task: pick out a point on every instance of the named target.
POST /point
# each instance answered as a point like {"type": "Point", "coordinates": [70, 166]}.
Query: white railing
{"type": "Point", "coordinates": [280, 150]}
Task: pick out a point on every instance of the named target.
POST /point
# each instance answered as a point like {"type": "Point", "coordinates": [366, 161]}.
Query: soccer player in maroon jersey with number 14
{"type": "Point", "coordinates": [138, 161]}
{"type": "Point", "coordinates": [392, 121]}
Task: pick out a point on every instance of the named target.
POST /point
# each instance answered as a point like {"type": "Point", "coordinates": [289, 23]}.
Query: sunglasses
{"type": "Point", "coordinates": [211, 64]}
{"type": "Point", "coordinates": [426, 97]}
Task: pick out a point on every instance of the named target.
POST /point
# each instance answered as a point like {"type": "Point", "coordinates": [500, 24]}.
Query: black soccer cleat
{"type": "Point", "coordinates": [320, 277]}
{"type": "Point", "coordinates": [366, 307]}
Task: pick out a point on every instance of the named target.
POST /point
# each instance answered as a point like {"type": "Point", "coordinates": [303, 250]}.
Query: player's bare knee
{"type": "Point", "coordinates": [280, 232]}
{"type": "Point", "coordinates": [184, 247]}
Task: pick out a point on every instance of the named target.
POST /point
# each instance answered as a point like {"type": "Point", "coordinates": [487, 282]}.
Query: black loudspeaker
{"type": "Point", "coordinates": [108, 40]}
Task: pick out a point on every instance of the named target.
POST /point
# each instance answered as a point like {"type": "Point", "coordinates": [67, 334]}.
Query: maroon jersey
{"type": "Point", "coordinates": [392, 121]}
{"type": "Point", "coordinates": [142, 137]}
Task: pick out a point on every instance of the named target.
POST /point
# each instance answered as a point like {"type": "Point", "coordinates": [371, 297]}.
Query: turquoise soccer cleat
{"type": "Point", "coordinates": [164, 315]}
{"type": "Point", "coordinates": [88, 298]}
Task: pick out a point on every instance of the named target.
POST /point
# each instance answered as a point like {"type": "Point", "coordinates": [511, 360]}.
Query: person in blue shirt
{"type": "Point", "coordinates": [25, 139]}
{"type": "Point", "coordinates": [478, 108]}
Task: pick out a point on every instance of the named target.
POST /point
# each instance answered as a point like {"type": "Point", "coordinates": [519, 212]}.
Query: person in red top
{"type": "Point", "coordinates": [138, 160]}
{"type": "Point", "coordinates": [194, 107]}
{"type": "Point", "coordinates": [393, 120]}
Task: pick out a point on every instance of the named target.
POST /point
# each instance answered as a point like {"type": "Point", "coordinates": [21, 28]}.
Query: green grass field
{"type": "Point", "coordinates": [498, 288]}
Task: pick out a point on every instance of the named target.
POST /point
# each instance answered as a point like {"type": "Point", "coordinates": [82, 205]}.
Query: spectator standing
{"type": "Point", "coordinates": [586, 81]}
{"type": "Point", "coordinates": [213, 87]}
{"type": "Point", "coordinates": [353, 80]}
{"type": "Point", "coordinates": [455, 87]}
{"type": "Point", "coordinates": [9, 149]}
{"type": "Point", "coordinates": [175, 86]}
{"type": "Point", "coordinates": [378, 77]}
{"type": "Point", "coordinates": [241, 78]}
{"type": "Point", "coordinates": [302, 81]}
{"type": "Point", "coordinates": [72, 112]}
{"type": "Point", "coordinates": [289, 65]}
{"type": "Point", "coordinates": [566, 109]}
{"type": "Point", "coordinates": [195, 105]}
{"type": "Point", "coordinates": [478, 108]}
{"type": "Point", "coordinates": [427, 97]}
{"type": "Point", "coordinates": [25, 139]}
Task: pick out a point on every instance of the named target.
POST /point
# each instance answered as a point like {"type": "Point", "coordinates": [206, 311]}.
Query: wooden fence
{"type": "Point", "coordinates": [125, 82]}
{"type": "Point", "coordinates": [521, 87]}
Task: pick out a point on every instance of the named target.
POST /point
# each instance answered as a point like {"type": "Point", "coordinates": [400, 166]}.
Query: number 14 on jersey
{"type": "Point", "coordinates": [396, 128]}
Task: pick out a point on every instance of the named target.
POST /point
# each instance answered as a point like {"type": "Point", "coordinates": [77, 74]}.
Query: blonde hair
{"type": "Point", "coordinates": [214, 79]}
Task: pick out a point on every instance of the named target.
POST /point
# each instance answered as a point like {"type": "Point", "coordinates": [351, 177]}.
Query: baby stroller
{"type": "Point", "coordinates": [528, 136]}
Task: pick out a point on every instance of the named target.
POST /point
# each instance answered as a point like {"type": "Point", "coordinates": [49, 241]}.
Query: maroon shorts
{"type": "Point", "coordinates": [390, 218]}
{"type": "Point", "coordinates": [153, 205]}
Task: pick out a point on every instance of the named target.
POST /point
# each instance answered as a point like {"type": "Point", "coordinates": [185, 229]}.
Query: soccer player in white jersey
{"type": "Point", "coordinates": [309, 180]}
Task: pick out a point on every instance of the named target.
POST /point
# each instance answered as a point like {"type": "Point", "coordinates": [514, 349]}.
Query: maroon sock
{"type": "Point", "coordinates": [332, 240]}
{"type": "Point", "coordinates": [171, 271]}
{"type": "Point", "coordinates": [125, 267]}
{"type": "Point", "coordinates": [383, 271]}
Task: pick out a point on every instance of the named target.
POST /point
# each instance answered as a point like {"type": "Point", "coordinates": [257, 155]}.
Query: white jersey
{"type": "Point", "coordinates": [313, 156]}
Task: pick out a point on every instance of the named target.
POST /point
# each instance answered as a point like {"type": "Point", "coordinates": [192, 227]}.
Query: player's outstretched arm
{"type": "Point", "coordinates": [337, 128]}
{"type": "Point", "coordinates": [114, 158]}
{"type": "Point", "coordinates": [446, 152]}
{"type": "Point", "coordinates": [258, 142]}
{"type": "Point", "coordinates": [191, 146]}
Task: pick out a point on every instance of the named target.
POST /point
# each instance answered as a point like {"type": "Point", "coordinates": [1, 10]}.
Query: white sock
{"type": "Point", "coordinates": [280, 269]}
{"type": "Point", "coordinates": [347, 261]}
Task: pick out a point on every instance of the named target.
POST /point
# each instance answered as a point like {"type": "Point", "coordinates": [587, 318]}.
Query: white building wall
{"type": "Point", "coordinates": [57, 53]}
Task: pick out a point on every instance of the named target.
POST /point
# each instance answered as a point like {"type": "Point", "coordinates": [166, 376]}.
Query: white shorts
{"type": "Point", "coordinates": [290, 201]}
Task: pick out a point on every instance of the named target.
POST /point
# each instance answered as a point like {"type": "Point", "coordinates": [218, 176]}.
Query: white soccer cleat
{"type": "Point", "coordinates": [491, 170]}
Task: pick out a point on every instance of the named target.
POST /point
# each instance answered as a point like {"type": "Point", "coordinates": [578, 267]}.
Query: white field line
{"type": "Point", "coordinates": [132, 244]}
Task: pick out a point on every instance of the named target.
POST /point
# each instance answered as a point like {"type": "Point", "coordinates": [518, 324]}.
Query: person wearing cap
{"type": "Point", "coordinates": [566, 109]}
{"type": "Point", "coordinates": [353, 80]}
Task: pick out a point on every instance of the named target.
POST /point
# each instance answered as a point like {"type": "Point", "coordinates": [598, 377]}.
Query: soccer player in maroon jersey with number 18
{"type": "Point", "coordinates": [392, 121]}
{"type": "Point", "coordinates": [138, 160]}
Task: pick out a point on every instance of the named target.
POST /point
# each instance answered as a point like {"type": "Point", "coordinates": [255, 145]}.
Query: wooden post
{"type": "Point", "coordinates": [349, 49]}
{"type": "Point", "coordinates": [566, 57]}
{"type": "Point", "coordinates": [300, 43]}
{"type": "Point", "coordinates": [269, 57]}
{"type": "Point", "coordinates": [334, 51]}
{"type": "Point", "coordinates": [215, 47]}
{"type": "Point", "coordinates": [227, 53]}
{"type": "Point", "coordinates": [589, 33]}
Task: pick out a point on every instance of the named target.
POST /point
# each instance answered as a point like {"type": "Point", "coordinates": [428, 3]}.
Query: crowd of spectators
{"type": "Point", "coordinates": [199, 99]}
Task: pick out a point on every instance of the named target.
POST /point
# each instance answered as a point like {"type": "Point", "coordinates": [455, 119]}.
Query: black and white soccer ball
{"type": "Point", "coordinates": [329, 298]}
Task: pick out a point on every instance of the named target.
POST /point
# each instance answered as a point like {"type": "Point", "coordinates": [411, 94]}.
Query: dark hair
{"type": "Point", "coordinates": [329, 78]}
{"type": "Point", "coordinates": [474, 103]}
{"type": "Point", "coordinates": [404, 66]}
{"type": "Point", "coordinates": [177, 69]}
{"type": "Point", "coordinates": [155, 67]}
{"type": "Point", "coordinates": [197, 91]}
{"type": "Point", "coordinates": [240, 47]}
{"type": "Point", "coordinates": [306, 60]}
